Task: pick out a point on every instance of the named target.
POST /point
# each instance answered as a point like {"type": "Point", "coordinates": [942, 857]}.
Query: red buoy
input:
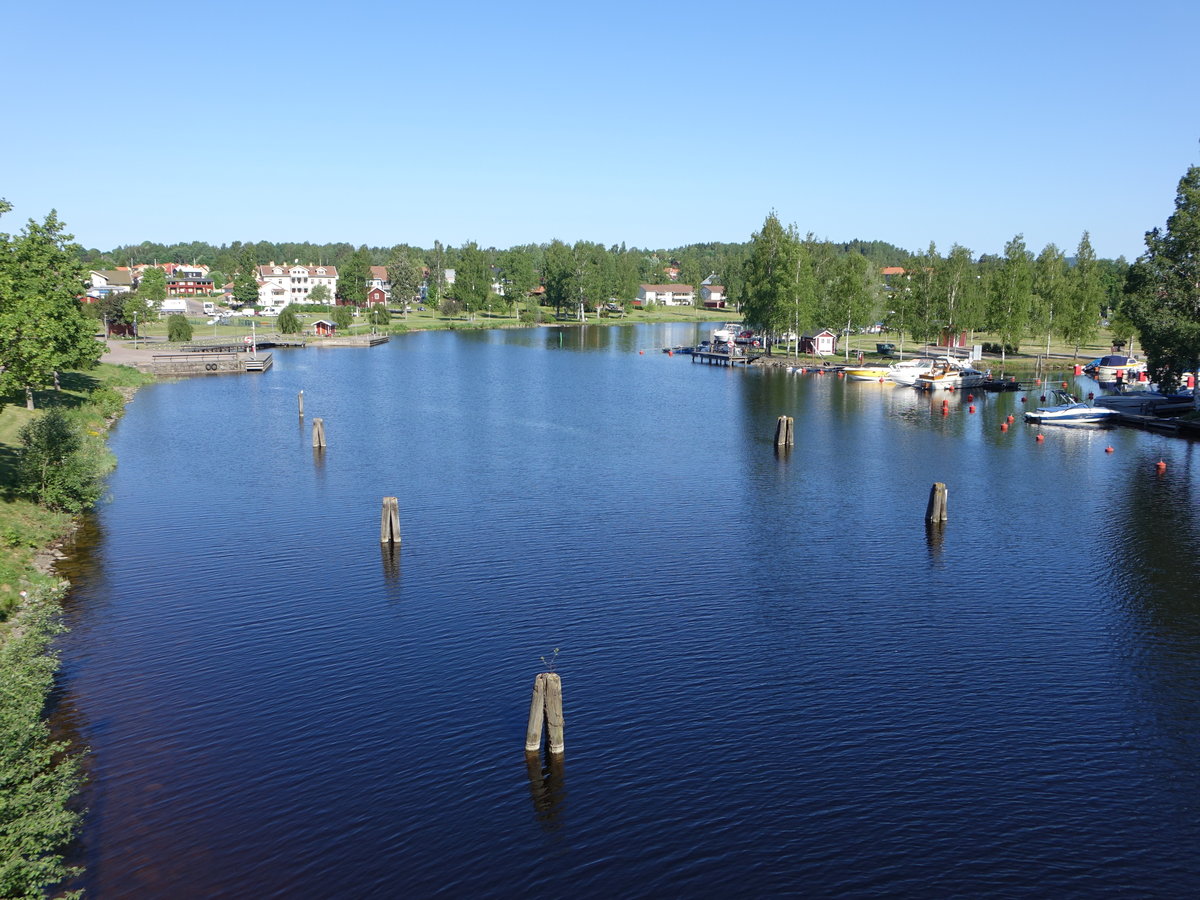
{"type": "Point", "coordinates": [1037, 381]}
{"type": "Point", "coordinates": [1160, 466]}
{"type": "Point", "coordinates": [970, 396]}
{"type": "Point", "coordinates": [945, 411]}
{"type": "Point", "coordinates": [971, 408]}
{"type": "Point", "coordinates": [1078, 369]}
{"type": "Point", "coordinates": [1064, 384]}
{"type": "Point", "coordinates": [1012, 419]}
{"type": "Point", "coordinates": [1108, 449]}
{"type": "Point", "coordinates": [1004, 426]}
{"type": "Point", "coordinates": [1191, 381]}
{"type": "Point", "coordinates": [1040, 438]}
{"type": "Point", "coordinates": [1022, 399]}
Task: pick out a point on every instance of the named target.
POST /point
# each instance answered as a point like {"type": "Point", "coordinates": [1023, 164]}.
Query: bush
{"type": "Point", "coordinates": [179, 329]}
{"type": "Point", "coordinates": [108, 403]}
{"type": "Point", "coordinates": [342, 316]}
{"type": "Point", "coordinates": [379, 314]}
{"type": "Point", "coordinates": [57, 466]}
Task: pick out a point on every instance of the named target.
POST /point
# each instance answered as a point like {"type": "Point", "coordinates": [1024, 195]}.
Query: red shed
{"type": "Point", "coordinates": [324, 327]}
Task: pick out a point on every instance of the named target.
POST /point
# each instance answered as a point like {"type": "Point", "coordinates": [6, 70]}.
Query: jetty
{"type": "Point", "coordinates": [207, 363]}
{"type": "Point", "coordinates": [722, 359]}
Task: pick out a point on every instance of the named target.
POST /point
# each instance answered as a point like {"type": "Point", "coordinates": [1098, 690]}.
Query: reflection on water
{"type": "Point", "coordinates": [853, 703]}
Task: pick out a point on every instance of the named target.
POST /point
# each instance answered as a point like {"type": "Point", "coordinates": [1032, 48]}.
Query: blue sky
{"type": "Point", "coordinates": [654, 123]}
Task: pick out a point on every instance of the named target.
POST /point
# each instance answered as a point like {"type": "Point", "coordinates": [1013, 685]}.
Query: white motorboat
{"type": "Point", "coordinates": [1069, 411]}
{"type": "Point", "coordinates": [906, 372]}
{"type": "Point", "coordinates": [950, 375]}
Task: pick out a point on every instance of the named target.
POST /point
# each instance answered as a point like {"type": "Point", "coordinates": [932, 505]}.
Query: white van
{"type": "Point", "coordinates": [209, 307]}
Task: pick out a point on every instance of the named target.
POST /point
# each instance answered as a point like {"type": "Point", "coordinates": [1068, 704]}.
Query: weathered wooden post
{"type": "Point", "coordinates": [554, 713]}
{"type": "Point", "coordinates": [785, 433]}
{"type": "Point", "coordinates": [302, 404]}
{"type": "Point", "coordinates": [318, 434]}
{"type": "Point", "coordinates": [537, 705]}
{"type": "Point", "coordinates": [935, 512]}
{"type": "Point", "coordinates": [389, 522]}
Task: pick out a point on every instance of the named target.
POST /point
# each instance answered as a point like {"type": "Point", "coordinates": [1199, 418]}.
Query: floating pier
{"type": "Point", "coordinates": [722, 359]}
{"type": "Point", "coordinates": [206, 363]}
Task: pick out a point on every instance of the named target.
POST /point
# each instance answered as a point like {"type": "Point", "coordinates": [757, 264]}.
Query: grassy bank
{"type": "Point", "coordinates": [38, 776]}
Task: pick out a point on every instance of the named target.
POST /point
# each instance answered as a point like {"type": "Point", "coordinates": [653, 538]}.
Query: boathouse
{"type": "Point", "coordinates": [821, 343]}
{"type": "Point", "coordinates": [324, 328]}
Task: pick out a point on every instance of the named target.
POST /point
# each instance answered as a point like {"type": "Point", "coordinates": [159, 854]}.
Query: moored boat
{"type": "Point", "coordinates": [906, 372]}
{"type": "Point", "coordinates": [1118, 368]}
{"type": "Point", "coordinates": [950, 375]}
{"type": "Point", "coordinates": [1070, 411]}
{"type": "Point", "coordinates": [867, 373]}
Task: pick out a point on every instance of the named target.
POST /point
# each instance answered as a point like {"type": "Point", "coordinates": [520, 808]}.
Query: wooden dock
{"type": "Point", "coordinates": [210, 363]}
{"type": "Point", "coordinates": [722, 359]}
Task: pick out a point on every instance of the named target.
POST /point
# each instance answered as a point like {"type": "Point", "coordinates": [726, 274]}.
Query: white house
{"type": "Point", "coordinates": [280, 284]}
{"type": "Point", "coordinates": [110, 281]}
{"type": "Point", "coordinates": [666, 294]}
{"type": "Point", "coordinates": [379, 279]}
{"type": "Point", "coordinates": [712, 296]}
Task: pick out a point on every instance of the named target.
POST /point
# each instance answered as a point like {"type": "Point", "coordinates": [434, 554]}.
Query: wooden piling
{"type": "Point", "coordinates": [318, 433]}
{"type": "Point", "coordinates": [537, 705]}
{"type": "Point", "coordinates": [302, 404]}
{"type": "Point", "coordinates": [935, 512]}
{"type": "Point", "coordinates": [785, 432]}
{"type": "Point", "coordinates": [389, 521]}
{"type": "Point", "coordinates": [554, 713]}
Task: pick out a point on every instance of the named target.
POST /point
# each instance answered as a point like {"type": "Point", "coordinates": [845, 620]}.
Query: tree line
{"type": "Point", "coordinates": [791, 283]}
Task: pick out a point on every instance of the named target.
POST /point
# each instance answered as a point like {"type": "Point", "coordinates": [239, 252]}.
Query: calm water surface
{"type": "Point", "coordinates": [776, 681]}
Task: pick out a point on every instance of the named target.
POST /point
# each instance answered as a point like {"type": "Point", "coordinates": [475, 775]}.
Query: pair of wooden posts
{"type": "Point", "coordinates": [318, 427]}
{"type": "Point", "coordinates": [935, 512]}
{"type": "Point", "coordinates": [545, 714]}
{"type": "Point", "coordinates": [785, 432]}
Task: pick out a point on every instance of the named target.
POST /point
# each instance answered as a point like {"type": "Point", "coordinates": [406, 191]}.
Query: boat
{"type": "Point", "coordinates": [1118, 368]}
{"type": "Point", "coordinates": [906, 372]}
{"type": "Point", "coordinates": [950, 375]}
{"type": "Point", "coordinates": [1070, 411]}
{"type": "Point", "coordinates": [867, 373]}
{"type": "Point", "coordinates": [1148, 403]}
{"type": "Point", "coordinates": [727, 333]}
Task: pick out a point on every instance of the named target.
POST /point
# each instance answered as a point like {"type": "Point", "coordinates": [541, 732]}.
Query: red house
{"type": "Point", "coordinates": [376, 297]}
{"type": "Point", "coordinates": [324, 328]}
{"type": "Point", "coordinates": [821, 343]}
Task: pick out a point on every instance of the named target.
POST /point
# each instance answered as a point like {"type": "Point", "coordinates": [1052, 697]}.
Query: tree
{"type": "Point", "coordinates": [770, 275]}
{"type": "Point", "coordinates": [473, 279]}
{"type": "Point", "coordinates": [1163, 288]}
{"type": "Point", "coordinates": [1050, 287]}
{"type": "Point", "coordinates": [353, 276]}
{"type": "Point", "coordinates": [1011, 294]}
{"type": "Point", "coordinates": [1084, 297]}
{"type": "Point", "coordinates": [517, 274]}
{"type": "Point", "coordinates": [404, 274]}
{"type": "Point", "coordinates": [153, 285]}
{"type": "Point", "coordinates": [179, 329]}
{"type": "Point", "coordinates": [319, 295]}
{"type": "Point", "coordinates": [959, 300]}
{"type": "Point", "coordinates": [55, 467]}
{"type": "Point", "coordinates": [42, 328]}
{"type": "Point", "coordinates": [558, 275]}
{"type": "Point", "coordinates": [853, 294]}
{"type": "Point", "coordinates": [245, 282]}
{"type": "Point", "coordinates": [343, 316]}
{"type": "Point", "coordinates": [379, 314]}
{"type": "Point", "coordinates": [288, 322]}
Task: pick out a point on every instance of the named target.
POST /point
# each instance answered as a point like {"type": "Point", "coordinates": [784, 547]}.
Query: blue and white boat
{"type": "Point", "coordinates": [1070, 411]}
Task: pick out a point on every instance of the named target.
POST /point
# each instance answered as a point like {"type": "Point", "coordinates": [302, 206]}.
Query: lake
{"type": "Point", "coordinates": [776, 680]}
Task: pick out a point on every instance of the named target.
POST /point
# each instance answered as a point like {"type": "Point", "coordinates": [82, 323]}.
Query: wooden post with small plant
{"type": "Point", "coordinates": [318, 434]}
{"type": "Point", "coordinates": [935, 512]}
{"type": "Point", "coordinates": [785, 432]}
{"type": "Point", "coordinates": [302, 404]}
{"type": "Point", "coordinates": [389, 522]}
{"type": "Point", "coordinates": [546, 711]}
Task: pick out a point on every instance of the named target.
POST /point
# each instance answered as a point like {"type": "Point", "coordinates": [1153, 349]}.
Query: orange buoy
{"type": "Point", "coordinates": [1108, 449]}
{"type": "Point", "coordinates": [1004, 426]}
{"type": "Point", "coordinates": [1037, 381]}
{"type": "Point", "coordinates": [1160, 466]}
{"type": "Point", "coordinates": [971, 408]}
{"type": "Point", "coordinates": [1041, 437]}
{"type": "Point", "coordinates": [641, 353]}
{"type": "Point", "coordinates": [1078, 369]}
{"type": "Point", "coordinates": [945, 411]}
{"type": "Point", "coordinates": [1012, 419]}
{"type": "Point", "coordinates": [670, 353]}
{"type": "Point", "coordinates": [1064, 384]}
